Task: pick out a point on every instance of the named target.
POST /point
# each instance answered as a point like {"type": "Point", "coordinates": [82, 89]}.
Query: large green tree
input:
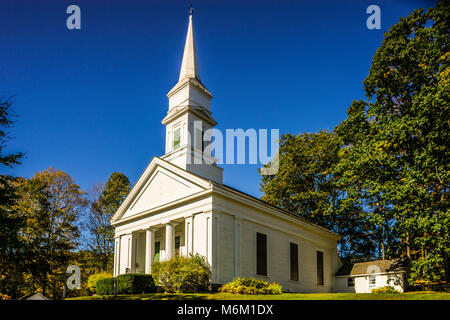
{"type": "Point", "coordinates": [106, 200]}
{"type": "Point", "coordinates": [306, 184]}
{"type": "Point", "coordinates": [50, 202]}
{"type": "Point", "coordinates": [396, 152]}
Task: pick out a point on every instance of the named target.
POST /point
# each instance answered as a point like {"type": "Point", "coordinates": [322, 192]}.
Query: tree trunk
{"type": "Point", "coordinates": [408, 249]}
{"type": "Point", "coordinates": [44, 287]}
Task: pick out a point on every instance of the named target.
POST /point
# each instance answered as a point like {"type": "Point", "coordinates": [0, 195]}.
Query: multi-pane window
{"type": "Point", "coordinates": [261, 254]}
{"type": "Point", "coordinates": [176, 138]}
{"type": "Point", "coordinates": [350, 282]}
{"type": "Point", "coordinates": [294, 261]}
{"type": "Point", "coordinates": [319, 268]}
{"type": "Point", "coordinates": [372, 280]}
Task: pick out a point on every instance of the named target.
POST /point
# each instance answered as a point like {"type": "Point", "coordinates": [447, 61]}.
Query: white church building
{"type": "Point", "coordinates": [178, 207]}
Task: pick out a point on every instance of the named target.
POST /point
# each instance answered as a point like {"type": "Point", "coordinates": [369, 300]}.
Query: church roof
{"type": "Point", "coordinates": [216, 187]}
{"type": "Point", "coordinates": [253, 198]}
{"type": "Point", "coordinates": [291, 214]}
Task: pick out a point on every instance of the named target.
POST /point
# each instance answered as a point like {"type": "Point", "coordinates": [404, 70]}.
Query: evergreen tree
{"type": "Point", "coordinates": [11, 253]}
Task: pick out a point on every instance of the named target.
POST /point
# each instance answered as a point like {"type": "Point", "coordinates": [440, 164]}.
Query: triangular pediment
{"type": "Point", "coordinates": [160, 185]}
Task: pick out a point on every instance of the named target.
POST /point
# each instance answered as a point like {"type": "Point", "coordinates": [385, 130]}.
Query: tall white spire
{"type": "Point", "coordinates": [189, 89]}
{"type": "Point", "coordinates": [189, 66]}
{"type": "Point", "coordinates": [189, 117]}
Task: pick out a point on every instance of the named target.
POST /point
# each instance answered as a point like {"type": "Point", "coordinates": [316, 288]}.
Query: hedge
{"type": "Point", "coordinates": [126, 284]}
{"type": "Point", "coordinates": [135, 283]}
{"type": "Point", "coordinates": [105, 287]}
{"type": "Point", "coordinates": [92, 281]}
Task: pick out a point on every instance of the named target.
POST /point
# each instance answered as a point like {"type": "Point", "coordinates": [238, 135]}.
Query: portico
{"type": "Point", "coordinates": [158, 242]}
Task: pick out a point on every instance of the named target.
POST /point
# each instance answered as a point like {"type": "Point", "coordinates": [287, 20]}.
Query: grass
{"type": "Point", "coordinates": [284, 296]}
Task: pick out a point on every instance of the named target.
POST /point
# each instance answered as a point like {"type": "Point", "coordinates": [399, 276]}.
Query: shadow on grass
{"type": "Point", "coordinates": [284, 296]}
{"type": "Point", "coordinates": [151, 296]}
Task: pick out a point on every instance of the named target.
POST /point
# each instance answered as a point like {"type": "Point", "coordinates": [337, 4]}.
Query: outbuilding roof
{"type": "Point", "coordinates": [376, 266]}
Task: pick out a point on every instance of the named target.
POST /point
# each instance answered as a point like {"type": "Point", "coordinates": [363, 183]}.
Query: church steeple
{"type": "Point", "coordinates": [189, 116]}
{"type": "Point", "coordinates": [189, 66]}
{"type": "Point", "coordinates": [189, 90]}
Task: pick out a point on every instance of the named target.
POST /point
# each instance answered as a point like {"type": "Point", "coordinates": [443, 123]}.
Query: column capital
{"type": "Point", "coordinates": [170, 238]}
{"type": "Point", "coordinates": [189, 216]}
{"type": "Point", "coordinates": [171, 223]}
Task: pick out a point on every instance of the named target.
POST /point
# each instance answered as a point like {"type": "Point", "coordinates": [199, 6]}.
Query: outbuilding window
{"type": "Point", "coordinates": [372, 280]}
{"type": "Point", "coordinates": [350, 282]}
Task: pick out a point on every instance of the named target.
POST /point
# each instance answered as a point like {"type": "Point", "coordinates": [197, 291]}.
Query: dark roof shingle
{"type": "Point", "coordinates": [351, 269]}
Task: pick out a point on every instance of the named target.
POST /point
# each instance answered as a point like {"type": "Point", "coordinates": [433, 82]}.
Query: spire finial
{"type": "Point", "coordinates": [191, 10]}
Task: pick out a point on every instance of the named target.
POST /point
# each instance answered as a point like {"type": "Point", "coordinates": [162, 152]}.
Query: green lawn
{"type": "Point", "coordinates": [284, 296]}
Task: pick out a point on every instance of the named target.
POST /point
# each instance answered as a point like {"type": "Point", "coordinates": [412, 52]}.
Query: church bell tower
{"type": "Point", "coordinates": [189, 116]}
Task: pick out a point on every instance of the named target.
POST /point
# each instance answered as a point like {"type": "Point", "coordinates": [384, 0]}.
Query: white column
{"type": "Point", "coordinates": [132, 253]}
{"type": "Point", "coordinates": [149, 249]}
{"type": "Point", "coordinates": [215, 244]}
{"type": "Point", "coordinates": [212, 239]}
{"type": "Point", "coordinates": [188, 235]}
{"type": "Point", "coordinates": [128, 244]}
{"type": "Point", "coordinates": [170, 235]}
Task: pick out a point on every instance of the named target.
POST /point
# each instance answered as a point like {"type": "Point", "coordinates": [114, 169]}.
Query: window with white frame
{"type": "Point", "coordinates": [372, 280]}
{"type": "Point", "coordinates": [176, 138]}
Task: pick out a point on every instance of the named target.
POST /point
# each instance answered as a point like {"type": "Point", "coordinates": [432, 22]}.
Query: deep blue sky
{"type": "Point", "coordinates": [90, 101]}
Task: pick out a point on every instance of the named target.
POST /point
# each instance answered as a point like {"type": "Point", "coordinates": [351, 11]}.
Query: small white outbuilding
{"type": "Point", "coordinates": [363, 277]}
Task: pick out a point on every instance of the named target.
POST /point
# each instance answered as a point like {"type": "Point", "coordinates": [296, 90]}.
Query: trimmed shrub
{"type": "Point", "coordinates": [105, 287]}
{"type": "Point", "coordinates": [135, 283]}
{"type": "Point", "coordinates": [126, 284]}
{"type": "Point", "coordinates": [92, 280]}
{"type": "Point", "coordinates": [183, 274]}
{"type": "Point", "coordinates": [4, 297]}
{"type": "Point", "coordinates": [251, 286]}
{"type": "Point", "coordinates": [386, 289]}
